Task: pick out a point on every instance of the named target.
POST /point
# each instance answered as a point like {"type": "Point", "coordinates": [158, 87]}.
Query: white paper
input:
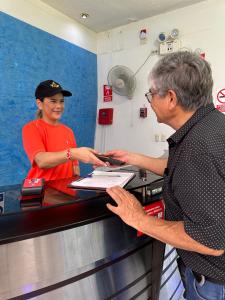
{"type": "Point", "coordinates": [103, 180]}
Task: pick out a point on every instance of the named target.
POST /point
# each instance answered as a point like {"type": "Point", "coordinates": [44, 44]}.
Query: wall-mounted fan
{"type": "Point", "coordinates": [122, 80]}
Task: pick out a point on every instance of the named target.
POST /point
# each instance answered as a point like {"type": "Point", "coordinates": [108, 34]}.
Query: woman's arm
{"type": "Point", "coordinates": [46, 160]}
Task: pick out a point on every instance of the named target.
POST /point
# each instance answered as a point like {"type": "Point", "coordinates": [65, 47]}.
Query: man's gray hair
{"type": "Point", "coordinates": [188, 75]}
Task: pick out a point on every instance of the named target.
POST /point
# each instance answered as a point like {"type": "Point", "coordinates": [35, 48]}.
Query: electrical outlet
{"type": "Point", "coordinates": [163, 137]}
{"type": "Point", "coordinates": [156, 138]}
{"type": "Point", "coordinates": [169, 47]}
{"type": "Point", "coordinates": [155, 52]}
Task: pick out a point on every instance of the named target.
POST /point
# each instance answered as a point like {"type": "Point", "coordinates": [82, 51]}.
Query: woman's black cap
{"type": "Point", "coordinates": [50, 88]}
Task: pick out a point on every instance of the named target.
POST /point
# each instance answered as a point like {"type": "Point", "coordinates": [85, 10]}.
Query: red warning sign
{"type": "Point", "coordinates": [221, 96]}
{"type": "Point", "coordinates": [107, 93]}
{"type": "Point", "coordinates": [156, 209]}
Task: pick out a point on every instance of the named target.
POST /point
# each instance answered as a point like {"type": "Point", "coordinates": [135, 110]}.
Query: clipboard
{"type": "Point", "coordinates": [101, 180]}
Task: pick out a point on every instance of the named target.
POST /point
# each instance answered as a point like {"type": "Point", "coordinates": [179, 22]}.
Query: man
{"type": "Point", "coordinates": [194, 174]}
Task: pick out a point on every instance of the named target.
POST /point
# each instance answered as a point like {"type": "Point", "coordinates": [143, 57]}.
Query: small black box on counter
{"type": "Point", "coordinates": [32, 192]}
{"type": "Point", "coordinates": [34, 186]}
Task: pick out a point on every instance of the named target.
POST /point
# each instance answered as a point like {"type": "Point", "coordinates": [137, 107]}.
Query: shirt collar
{"type": "Point", "coordinates": [197, 116]}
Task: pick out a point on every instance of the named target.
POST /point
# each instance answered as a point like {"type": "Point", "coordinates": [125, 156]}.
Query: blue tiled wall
{"type": "Point", "coordinates": [27, 56]}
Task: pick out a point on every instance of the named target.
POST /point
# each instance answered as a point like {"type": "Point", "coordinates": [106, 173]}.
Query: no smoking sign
{"type": "Point", "coordinates": [221, 96]}
{"type": "Point", "coordinates": [221, 100]}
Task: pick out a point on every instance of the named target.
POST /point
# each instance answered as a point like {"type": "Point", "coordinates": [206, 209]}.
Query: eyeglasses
{"type": "Point", "coordinates": [149, 95]}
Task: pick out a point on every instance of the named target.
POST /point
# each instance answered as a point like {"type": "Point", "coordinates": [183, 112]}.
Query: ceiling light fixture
{"type": "Point", "coordinates": [84, 15]}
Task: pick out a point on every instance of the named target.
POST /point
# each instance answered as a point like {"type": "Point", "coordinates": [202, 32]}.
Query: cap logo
{"type": "Point", "coordinates": [54, 85]}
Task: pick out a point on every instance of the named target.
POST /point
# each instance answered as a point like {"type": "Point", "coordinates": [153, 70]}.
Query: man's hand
{"type": "Point", "coordinates": [120, 155]}
{"type": "Point", "coordinates": [171, 232]}
{"type": "Point", "coordinates": [128, 207]}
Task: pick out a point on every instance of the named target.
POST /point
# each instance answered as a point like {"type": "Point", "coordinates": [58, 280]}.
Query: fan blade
{"type": "Point", "coordinates": [122, 80]}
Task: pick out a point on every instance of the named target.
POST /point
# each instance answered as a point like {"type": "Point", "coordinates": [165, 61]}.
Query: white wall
{"type": "Point", "coordinates": [201, 26]}
{"type": "Point", "coordinates": [40, 15]}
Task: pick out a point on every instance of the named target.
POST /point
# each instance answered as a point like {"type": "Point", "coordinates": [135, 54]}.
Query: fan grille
{"type": "Point", "coordinates": [122, 80]}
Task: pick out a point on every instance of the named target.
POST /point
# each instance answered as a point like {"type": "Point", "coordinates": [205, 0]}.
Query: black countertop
{"type": "Point", "coordinates": [64, 208]}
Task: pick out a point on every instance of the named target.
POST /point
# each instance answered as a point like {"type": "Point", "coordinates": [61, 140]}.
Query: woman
{"type": "Point", "coordinates": [50, 145]}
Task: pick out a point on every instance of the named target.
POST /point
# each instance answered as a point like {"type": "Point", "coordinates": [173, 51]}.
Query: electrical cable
{"type": "Point", "coordinates": [150, 54]}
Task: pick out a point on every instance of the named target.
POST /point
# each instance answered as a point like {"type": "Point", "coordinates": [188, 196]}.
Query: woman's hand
{"type": "Point", "coordinates": [86, 155]}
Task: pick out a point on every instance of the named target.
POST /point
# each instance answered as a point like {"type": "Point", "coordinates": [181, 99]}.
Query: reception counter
{"type": "Point", "coordinates": [73, 247]}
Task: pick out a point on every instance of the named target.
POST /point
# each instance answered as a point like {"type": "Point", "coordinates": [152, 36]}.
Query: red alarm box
{"type": "Point", "coordinates": [105, 116]}
{"type": "Point", "coordinates": [143, 112]}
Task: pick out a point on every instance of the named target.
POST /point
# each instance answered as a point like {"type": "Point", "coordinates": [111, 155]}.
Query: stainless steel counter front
{"type": "Point", "coordinates": [77, 250]}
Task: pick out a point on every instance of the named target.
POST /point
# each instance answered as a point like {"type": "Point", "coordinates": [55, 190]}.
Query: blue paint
{"type": "Point", "coordinates": [28, 56]}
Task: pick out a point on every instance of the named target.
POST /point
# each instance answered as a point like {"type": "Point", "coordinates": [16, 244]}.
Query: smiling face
{"type": "Point", "coordinates": [51, 108]}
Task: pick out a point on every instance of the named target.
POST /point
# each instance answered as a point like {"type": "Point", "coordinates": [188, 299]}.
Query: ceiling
{"type": "Point", "coordinates": [106, 14]}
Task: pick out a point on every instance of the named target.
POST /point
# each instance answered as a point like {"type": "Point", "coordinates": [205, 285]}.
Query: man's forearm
{"type": "Point", "coordinates": [155, 165]}
{"type": "Point", "coordinates": [173, 233]}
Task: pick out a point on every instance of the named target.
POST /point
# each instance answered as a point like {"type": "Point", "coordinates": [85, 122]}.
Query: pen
{"type": "Point", "coordinates": [97, 175]}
